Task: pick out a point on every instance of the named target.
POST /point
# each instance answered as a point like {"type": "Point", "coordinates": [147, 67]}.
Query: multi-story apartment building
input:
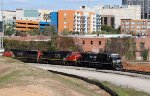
{"type": "Point", "coordinates": [97, 17]}
{"type": "Point", "coordinates": [66, 20]}
{"type": "Point", "coordinates": [77, 21]}
{"type": "Point", "coordinates": [135, 27]}
{"type": "Point", "coordinates": [145, 6]}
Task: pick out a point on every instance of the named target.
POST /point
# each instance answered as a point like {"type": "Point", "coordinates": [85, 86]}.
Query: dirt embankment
{"type": "Point", "coordinates": [18, 79]}
{"type": "Point", "coordinates": [137, 66]}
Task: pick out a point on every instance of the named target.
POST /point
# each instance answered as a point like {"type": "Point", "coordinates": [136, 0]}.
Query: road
{"type": "Point", "coordinates": [120, 80]}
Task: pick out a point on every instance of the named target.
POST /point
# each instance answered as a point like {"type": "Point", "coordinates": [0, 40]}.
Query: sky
{"type": "Point", "coordinates": [55, 4]}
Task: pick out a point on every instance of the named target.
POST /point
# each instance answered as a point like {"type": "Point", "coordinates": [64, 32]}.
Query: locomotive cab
{"type": "Point", "coordinates": [73, 58]}
{"type": "Point", "coordinates": [109, 61]}
{"type": "Point", "coordinates": [116, 60]}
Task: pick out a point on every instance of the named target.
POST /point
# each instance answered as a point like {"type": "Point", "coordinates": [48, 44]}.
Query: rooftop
{"type": "Point", "coordinates": [102, 36]}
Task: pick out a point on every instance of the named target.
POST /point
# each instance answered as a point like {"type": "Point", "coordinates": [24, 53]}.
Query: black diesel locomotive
{"type": "Point", "coordinates": [85, 59]}
{"type": "Point", "coordinates": [101, 60]}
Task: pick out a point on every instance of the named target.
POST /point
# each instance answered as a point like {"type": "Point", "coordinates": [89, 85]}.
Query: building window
{"type": "Point", "coordinates": [83, 42]}
{"type": "Point", "coordinates": [65, 18]}
{"type": "Point", "coordinates": [113, 22]}
{"type": "Point", "coordinates": [148, 16]}
{"type": "Point", "coordinates": [142, 45]}
{"type": "Point", "coordinates": [65, 22]}
{"type": "Point", "coordinates": [65, 14]}
{"type": "Point", "coordinates": [91, 42]}
{"type": "Point", "coordinates": [65, 26]}
{"type": "Point", "coordinates": [100, 42]}
{"type": "Point", "coordinates": [105, 20]}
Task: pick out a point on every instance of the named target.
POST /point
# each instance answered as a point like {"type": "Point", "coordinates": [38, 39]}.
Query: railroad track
{"type": "Point", "coordinates": [132, 73]}
{"type": "Point", "coordinates": [137, 72]}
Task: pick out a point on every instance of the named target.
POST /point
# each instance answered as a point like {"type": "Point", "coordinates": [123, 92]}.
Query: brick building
{"type": "Point", "coordinates": [94, 44]}
{"type": "Point", "coordinates": [135, 27]}
{"type": "Point", "coordinates": [140, 44]}
{"type": "Point", "coordinates": [98, 43]}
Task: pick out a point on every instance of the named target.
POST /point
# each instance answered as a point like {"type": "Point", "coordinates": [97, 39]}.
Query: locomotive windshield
{"type": "Point", "coordinates": [115, 56]}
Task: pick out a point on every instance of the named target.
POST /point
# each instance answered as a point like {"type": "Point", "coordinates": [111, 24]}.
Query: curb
{"type": "Point", "coordinates": [100, 85]}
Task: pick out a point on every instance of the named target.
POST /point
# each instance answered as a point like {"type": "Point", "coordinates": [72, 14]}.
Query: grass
{"type": "Point", "coordinates": [21, 74]}
{"type": "Point", "coordinates": [75, 85]}
{"type": "Point", "coordinates": [122, 91]}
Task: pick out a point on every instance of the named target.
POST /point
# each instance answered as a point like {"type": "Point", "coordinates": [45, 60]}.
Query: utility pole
{"type": "Point", "coordinates": [2, 35]}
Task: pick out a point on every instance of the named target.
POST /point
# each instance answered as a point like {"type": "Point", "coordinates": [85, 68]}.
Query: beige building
{"type": "Point", "coordinates": [112, 15]}
{"type": "Point", "coordinates": [120, 12]}
{"type": "Point", "coordinates": [135, 27]}
{"type": "Point", "coordinates": [108, 20]}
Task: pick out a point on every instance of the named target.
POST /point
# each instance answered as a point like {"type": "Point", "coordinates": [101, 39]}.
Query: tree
{"type": "Point", "coordinates": [20, 33]}
{"type": "Point", "coordinates": [125, 47]}
{"type": "Point", "coordinates": [110, 30]}
{"type": "Point", "coordinates": [106, 28]}
{"type": "Point", "coordinates": [48, 31]}
{"type": "Point", "coordinates": [118, 31]}
{"type": "Point", "coordinates": [145, 54]}
{"type": "Point", "coordinates": [29, 45]}
{"type": "Point", "coordinates": [67, 44]}
{"type": "Point", "coordinates": [9, 29]}
{"type": "Point", "coordinates": [65, 32]}
{"type": "Point", "coordinates": [34, 32]}
{"type": "Point", "coordinates": [51, 32]}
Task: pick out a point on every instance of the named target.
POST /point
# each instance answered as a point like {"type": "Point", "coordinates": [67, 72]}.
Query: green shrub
{"type": "Point", "coordinates": [145, 54]}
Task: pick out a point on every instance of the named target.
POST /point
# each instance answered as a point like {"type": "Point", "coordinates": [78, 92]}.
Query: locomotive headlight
{"type": "Point", "coordinates": [114, 61]}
